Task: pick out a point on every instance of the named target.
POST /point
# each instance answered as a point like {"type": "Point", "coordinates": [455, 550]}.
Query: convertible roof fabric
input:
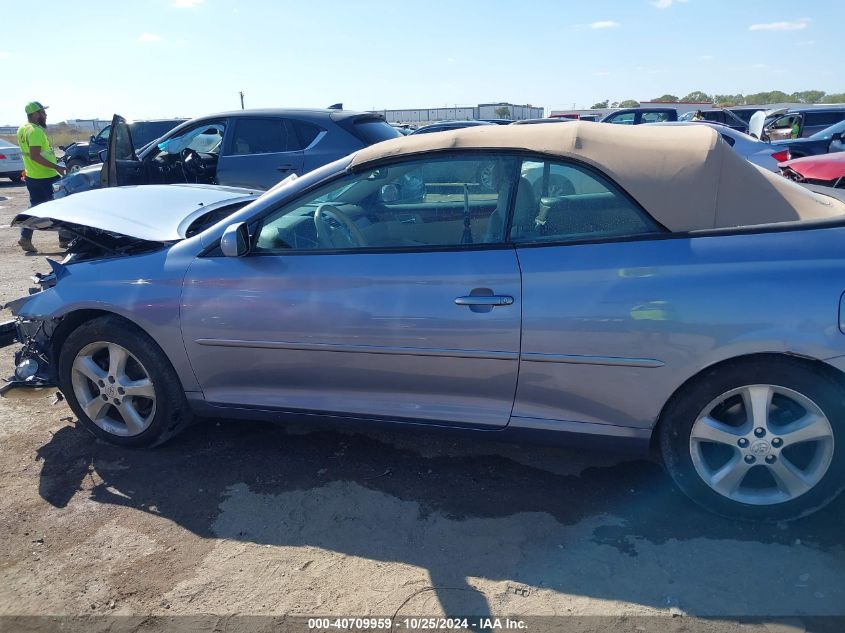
{"type": "Point", "coordinates": [686, 177]}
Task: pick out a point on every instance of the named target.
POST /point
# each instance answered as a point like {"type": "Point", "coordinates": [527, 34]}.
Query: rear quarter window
{"type": "Point", "coordinates": [370, 131]}
{"type": "Point", "coordinates": [305, 133]}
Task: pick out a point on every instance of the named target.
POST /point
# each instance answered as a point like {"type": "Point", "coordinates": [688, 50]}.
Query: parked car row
{"type": "Point", "coordinates": [767, 125]}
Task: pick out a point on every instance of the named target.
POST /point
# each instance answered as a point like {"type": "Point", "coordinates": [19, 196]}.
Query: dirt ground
{"type": "Point", "coordinates": [242, 518]}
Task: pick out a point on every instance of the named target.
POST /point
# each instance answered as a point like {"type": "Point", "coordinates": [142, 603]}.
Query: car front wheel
{"type": "Point", "coordinates": [74, 164]}
{"type": "Point", "coordinates": [120, 385]}
{"type": "Point", "coordinates": [758, 439]}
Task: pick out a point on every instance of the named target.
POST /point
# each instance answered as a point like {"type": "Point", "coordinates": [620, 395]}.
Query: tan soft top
{"type": "Point", "coordinates": [686, 177]}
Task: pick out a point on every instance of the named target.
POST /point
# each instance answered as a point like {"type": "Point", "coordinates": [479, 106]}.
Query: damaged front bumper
{"type": "Point", "coordinates": [34, 365]}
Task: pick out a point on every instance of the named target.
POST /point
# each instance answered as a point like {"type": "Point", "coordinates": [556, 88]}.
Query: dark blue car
{"type": "Point", "coordinates": [254, 149]}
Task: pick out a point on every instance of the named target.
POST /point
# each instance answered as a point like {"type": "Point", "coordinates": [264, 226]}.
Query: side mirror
{"type": "Point", "coordinates": [62, 147]}
{"type": "Point", "coordinates": [92, 139]}
{"type": "Point", "coordinates": [235, 240]}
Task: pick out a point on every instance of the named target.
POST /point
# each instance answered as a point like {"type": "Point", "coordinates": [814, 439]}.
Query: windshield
{"type": "Point", "coordinates": [205, 138]}
{"type": "Point", "coordinates": [148, 131]}
{"type": "Point", "coordinates": [826, 133]}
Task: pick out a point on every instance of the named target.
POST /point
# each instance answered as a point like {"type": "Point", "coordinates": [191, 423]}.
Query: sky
{"type": "Point", "coordinates": [167, 58]}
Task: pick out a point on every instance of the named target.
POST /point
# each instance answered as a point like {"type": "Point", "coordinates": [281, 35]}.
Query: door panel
{"type": "Point", "coordinates": [258, 171]}
{"type": "Point", "coordinates": [370, 334]}
{"type": "Point", "coordinates": [260, 152]}
{"type": "Point", "coordinates": [599, 326]}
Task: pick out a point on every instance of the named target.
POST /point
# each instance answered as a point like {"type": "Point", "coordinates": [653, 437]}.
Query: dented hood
{"type": "Point", "coordinates": [156, 213]}
{"type": "Point", "coordinates": [824, 167]}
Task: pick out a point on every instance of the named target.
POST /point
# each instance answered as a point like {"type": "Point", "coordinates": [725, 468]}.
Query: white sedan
{"type": "Point", "coordinates": [11, 163]}
{"type": "Point", "coordinates": [760, 153]}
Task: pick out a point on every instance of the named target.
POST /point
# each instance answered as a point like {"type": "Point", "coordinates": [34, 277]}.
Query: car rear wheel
{"type": "Point", "coordinates": [758, 439]}
{"type": "Point", "coordinates": [120, 385]}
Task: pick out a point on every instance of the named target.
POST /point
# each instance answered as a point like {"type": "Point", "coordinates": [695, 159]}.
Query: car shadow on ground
{"type": "Point", "coordinates": [364, 495]}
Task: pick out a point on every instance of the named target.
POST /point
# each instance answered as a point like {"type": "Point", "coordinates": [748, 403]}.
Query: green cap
{"type": "Point", "coordinates": [34, 106]}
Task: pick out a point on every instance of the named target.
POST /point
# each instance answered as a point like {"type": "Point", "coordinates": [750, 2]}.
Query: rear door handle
{"type": "Point", "coordinates": [284, 168]}
{"type": "Point", "coordinates": [481, 300]}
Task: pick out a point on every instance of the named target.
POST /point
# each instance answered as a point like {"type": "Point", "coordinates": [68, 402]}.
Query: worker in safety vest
{"type": "Point", "coordinates": [40, 165]}
{"type": "Point", "coordinates": [796, 127]}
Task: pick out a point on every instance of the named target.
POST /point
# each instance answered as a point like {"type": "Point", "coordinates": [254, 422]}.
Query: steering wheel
{"type": "Point", "coordinates": [324, 230]}
{"type": "Point", "coordinates": [192, 162]}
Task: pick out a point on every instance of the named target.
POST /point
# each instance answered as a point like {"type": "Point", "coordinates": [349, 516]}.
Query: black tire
{"type": "Point", "coordinates": [73, 164]}
{"type": "Point", "coordinates": [680, 414]}
{"type": "Point", "coordinates": [172, 414]}
{"type": "Point", "coordinates": [16, 179]}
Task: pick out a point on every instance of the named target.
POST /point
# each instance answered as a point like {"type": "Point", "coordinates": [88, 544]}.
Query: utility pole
{"type": "Point", "coordinates": [242, 99]}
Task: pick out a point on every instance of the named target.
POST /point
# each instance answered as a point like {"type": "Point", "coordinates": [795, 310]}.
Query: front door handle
{"type": "Point", "coordinates": [482, 300]}
{"type": "Point", "coordinates": [285, 168]}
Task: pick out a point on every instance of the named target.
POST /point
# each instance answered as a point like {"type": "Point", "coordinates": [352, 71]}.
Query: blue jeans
{"type": "Point", "coordinates": [40, 190]}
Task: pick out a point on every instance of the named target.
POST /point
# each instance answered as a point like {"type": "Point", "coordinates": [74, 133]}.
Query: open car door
{"type": "Point", "coordinates": [122, 166]}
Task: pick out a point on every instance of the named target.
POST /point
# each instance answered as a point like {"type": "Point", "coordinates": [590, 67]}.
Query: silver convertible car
{"type": "Point", "coordinates": [640, 287]}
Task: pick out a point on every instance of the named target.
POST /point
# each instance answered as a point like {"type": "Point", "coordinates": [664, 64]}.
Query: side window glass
{"type": "Point", "coordinates": [783, 123]}
{"type": "Point", "coordinates": [821, 119]}
{"type": "Point", "coordinates": [451, 201]}
{"type": "Point", "coordinates": [729, 140]}
{"type": "Point", "coordinates": [262, 136]}
{"type": "Point", "coordinates": [304, 133]}
{"type": "Point", "coordinates": [558, 201]}
{"type": "Point", "coordinates": [654, 117]}
{"type": "Point", "coordinates": [624, 119]}
{"type": "Point", "coordinates": [103, 136]}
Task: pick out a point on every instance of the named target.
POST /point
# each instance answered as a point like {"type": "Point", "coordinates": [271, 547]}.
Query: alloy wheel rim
{"type": "Point", "coordinates": [762, 444]}
{"type": "Point", "coordinates": [114, 389]}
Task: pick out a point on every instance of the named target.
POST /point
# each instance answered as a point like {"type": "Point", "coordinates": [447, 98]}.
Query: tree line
{"type": "Point", "coordinates": [729, 101]}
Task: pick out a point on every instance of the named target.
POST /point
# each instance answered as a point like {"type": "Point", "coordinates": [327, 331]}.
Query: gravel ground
{"type": "Point", "coordinates": [242, 518]}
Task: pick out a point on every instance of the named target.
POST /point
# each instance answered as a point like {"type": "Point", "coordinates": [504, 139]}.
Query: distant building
{"type": "Point", "coordinates": [481, 111]}
{"type": "Point", "coordinates": [95, 125]}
